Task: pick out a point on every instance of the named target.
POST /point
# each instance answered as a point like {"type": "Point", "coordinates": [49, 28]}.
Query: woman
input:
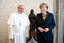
{"type": "Point", "coordinates": [44, 25]}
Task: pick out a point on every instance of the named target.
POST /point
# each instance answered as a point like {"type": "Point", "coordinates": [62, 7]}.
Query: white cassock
{"type": "Point", "coordinates": [19, 24]}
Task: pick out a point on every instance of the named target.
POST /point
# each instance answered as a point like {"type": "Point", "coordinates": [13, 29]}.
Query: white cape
{"type": "Point", "coordinates": [19, 33]}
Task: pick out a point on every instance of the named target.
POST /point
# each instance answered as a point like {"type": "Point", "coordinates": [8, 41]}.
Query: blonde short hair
{"type": "Point", "coordinates": [43, 4]}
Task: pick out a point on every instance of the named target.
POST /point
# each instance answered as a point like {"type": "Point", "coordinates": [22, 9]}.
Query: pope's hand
{"type": "Point", "coordinates": [12, 39]}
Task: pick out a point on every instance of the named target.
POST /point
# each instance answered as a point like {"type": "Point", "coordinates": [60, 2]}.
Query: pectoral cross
{"type": "Point", "coordinates": [19, 24]}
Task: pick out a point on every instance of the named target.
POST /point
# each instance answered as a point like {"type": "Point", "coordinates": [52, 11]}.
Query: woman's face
{"type": "Point", "coordinates": [43, 9]}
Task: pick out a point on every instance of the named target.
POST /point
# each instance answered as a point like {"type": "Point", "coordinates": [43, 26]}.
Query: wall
{"type": "Point", "coordinates": [60, 21]}
{"type": "Point", "coordinates": [9, 6]}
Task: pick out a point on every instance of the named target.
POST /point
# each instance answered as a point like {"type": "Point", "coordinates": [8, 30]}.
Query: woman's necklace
{"type": "Point", "coordinates": [44, 17]}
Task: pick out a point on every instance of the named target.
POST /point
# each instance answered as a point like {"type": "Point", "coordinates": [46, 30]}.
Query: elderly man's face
{"type": "Point", "coordinates": [21, 8]}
